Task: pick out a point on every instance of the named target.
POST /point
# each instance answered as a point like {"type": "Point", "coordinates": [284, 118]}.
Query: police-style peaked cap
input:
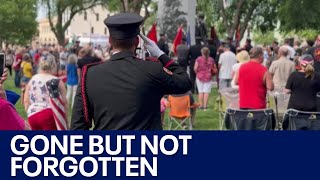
{"type": "Point", "coordinates": [124, 25]}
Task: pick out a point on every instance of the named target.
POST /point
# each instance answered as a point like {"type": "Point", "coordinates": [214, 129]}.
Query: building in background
{"type": "Point", "coordinates": [87, 26]}
{"type": "Point", "coordinates": [46, 36]}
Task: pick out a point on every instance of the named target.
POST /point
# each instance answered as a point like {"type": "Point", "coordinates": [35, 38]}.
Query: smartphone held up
{"type": "Point", "coordinates": [2, 63]}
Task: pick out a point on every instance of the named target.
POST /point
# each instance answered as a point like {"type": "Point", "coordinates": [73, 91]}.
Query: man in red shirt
{"type": "Point", "coordinates": [254, 80]}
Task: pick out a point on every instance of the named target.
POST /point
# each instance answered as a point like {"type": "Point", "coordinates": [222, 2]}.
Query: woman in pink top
{"type": "Point", "coordinates": [203, 68]}
{"type": "Point", "coordinates": [9, 118]}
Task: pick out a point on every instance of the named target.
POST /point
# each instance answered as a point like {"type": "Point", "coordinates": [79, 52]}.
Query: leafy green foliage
{"type": "Point", "coordinates": [308, 34]}
{"type": "Point", "coordinates": [18, 21]}
{"type": "Point", "coordinates": [299, 15]}
{"type": "Point", "coordinates": [263, 38]}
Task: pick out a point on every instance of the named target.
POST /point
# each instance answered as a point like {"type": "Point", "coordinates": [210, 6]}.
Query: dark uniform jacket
{"type": "Point", "coordinates": [124, 93]}
{"type": "Point", "coordinates": [163, 46]}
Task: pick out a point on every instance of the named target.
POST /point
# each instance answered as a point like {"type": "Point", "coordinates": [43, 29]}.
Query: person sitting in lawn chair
{"type": "Point", "coordinates": [192, 107]}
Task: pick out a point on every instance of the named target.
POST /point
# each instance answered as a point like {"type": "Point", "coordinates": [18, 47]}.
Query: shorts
{"type": "Point", "coordinates": [25, 80]}
{"type": "Point", "coordinates": [224, 83]}
{"type": "Point", "coordinates": [43, 120]}
{"type": "Point", "coordinates": [62, 67]}
{"type": "Point", "coordinates": [204, 87]}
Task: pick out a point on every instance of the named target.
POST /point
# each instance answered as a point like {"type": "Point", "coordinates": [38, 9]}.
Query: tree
{"type": "Point", "coordinates": [263, 38]}
{"type": "Point", "coordinates": [66, 8]}
{"type": "Point", "coordinates": [134, 6]}
{"type": "Point", "coordinates": [241, 13]}
{"type": "Point", "coordinates": [172, 18]}
{"type": "Point", "coordinates": [17, 21]}
{"type": "Point", "coordinates": [299, 15]}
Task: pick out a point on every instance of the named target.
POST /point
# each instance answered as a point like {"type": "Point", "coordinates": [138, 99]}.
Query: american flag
{"type": "Point", "coordinates": [57, 105]}
{"type": "Point", "coordinates": [59, 113]}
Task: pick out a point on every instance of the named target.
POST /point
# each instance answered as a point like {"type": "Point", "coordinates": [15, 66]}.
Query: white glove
{"type": "Point", "coordinates": [151, 46]}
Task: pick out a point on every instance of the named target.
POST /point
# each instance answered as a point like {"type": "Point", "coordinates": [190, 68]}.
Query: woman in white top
{"type": "Point", "coordinates": [242, 57]}
{"type": "Point", "coordinates": [37, 105]}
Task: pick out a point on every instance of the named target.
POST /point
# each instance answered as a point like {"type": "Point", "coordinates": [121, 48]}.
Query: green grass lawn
{"type": "Point", "coordinates": [207, 120]}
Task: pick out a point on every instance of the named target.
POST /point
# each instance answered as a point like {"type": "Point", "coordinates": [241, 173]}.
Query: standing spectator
{"type": "Point", "coordinates": [231, 46]}
{"type": "Point", "coordinates": [36, 60]}
{"type": "Point", "coordinates": [309, 45]}
{"type": "Point", "coordinates": [296, 44]}
{"type": "Point", "coordinates": [204, 67]}
{"type": "Point", "coordinates": [226, 61]}
{"type": "Point", "coordinates": [63, 60]}
{"type": "Point", "coordinates": [85, 58]}
{"type": "Point", "coordinates": [37, 100]}
{"type": "Point", "coordinates": [275, 45]}
{"type": "Point", "coordinates": [281, 69]}
{"type": "Point", "coordinates": [9, 117]}
{"type": "Point", "coordinates": [194, 53]}
{"type": "Point", "coordinates": [273, 55]}
{"type": "Point", "coordinates": [303, 86]}
{"type": "Point", "coordinates": [72, 78]}
{"type": "Point", "coordinates": [315, 52]}
{"type": "Point", "coordinates": [248, 45]}
{"type": "Point", "coordinates": [9, 60]}
{"type": "Point", "coordinates": [213, 49]}
{"type": "Point", "coordinates": [98, 51]}
{"type": "Point", "coordinates": [183, 54]}
{"type": "Point", "coordinates": [291, 51]}
{"type": "Point", "coordinates": [163, 44]}
{"type": "Point", "coordinates": [254, 79]}
{"type": "Point", "coordinates": [242, 57]}
{"type": "Point", "coordinates": [17, 67]}
{"type": "Point", "coordinates": [27, 69]}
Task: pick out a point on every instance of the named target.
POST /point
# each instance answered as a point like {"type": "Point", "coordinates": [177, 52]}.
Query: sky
{"type": "Point", "coordinates": [41, 12]}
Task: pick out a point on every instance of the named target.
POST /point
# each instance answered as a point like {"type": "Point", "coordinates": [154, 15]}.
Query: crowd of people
{"type": "Point", "coordinates": [109, 89]}
{"type": "Point", "coordinates": [33, 68]}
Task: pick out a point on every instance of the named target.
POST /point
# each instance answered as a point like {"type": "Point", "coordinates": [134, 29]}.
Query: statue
{"type": "Point", "coordinates": [201, 30]}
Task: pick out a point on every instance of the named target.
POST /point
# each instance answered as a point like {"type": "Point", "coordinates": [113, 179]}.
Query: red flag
{"type": "Point", "coordinates": [177, 39]}
{"type": "Point", "coordinates": [213, 34]}
{"type": "Point", "coordinates": [238, 38]}
{"type": "Point", "coordinates": [153, 33]}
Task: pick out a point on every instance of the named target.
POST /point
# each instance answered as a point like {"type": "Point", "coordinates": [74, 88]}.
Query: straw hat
{"type": "Point", "coordinates": [243, 56]}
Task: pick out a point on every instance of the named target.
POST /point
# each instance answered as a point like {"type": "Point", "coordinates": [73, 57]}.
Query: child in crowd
{"type": "Point", "coordinates": [72, 77]}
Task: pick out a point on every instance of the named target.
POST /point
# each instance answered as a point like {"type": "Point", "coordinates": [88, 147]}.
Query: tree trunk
{"type": "Point", "coordinates": [236, 19]}
{"type": "Point", "coordinates": [61, 38]}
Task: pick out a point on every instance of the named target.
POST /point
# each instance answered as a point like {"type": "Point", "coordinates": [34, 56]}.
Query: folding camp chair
{"type": "Point", "coordinates": [228, 98]}
{"type": "Point", "coordinates": [250, 119]}
{"type": "Point", "coordinates": [278, 101]}
{"type": "Point", "coordinates": [300, 120]}
{"type": "Point", "coordinates": [179, 112]}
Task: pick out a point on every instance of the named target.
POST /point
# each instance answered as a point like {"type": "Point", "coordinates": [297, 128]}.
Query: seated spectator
{"type": "Point", "coordinates": [254, 79]}
{"type": "Point", "coordinates": [193, 106]}
{"type": "Point", "coordinates": [303, 86]}
{"type": "Point", "coordinates": [281, 69]}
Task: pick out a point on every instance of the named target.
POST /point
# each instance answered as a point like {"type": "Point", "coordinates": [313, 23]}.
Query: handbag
{"type": "Point", "coordinates": [214, 70]}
